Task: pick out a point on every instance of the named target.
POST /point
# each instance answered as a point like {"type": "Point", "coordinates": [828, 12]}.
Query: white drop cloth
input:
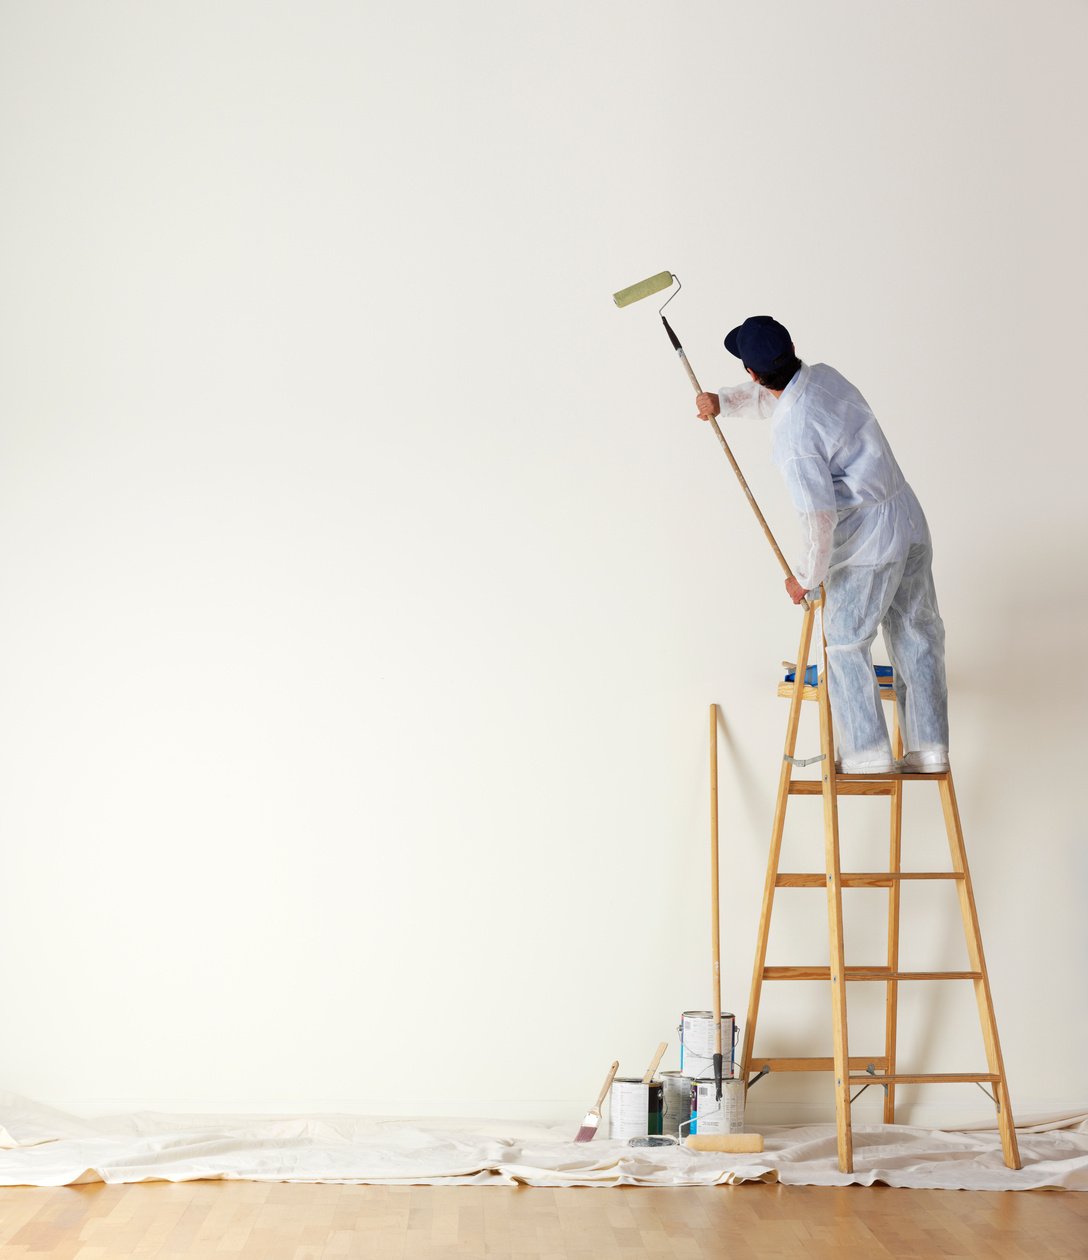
{"type": "Point", "coordinates": [43, 1147]}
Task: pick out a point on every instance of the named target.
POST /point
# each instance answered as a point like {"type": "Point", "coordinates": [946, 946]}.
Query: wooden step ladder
{"type": "Point", "coordinates": [850, 1072]}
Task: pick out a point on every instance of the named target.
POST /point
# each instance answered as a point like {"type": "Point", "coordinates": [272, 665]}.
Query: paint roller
{"type": "Point", "coordinates": [715, 931]}
{"type": "Point", "coordinates": [655, 284]}
{"type": "Point", "coordinates": [730, 1143]}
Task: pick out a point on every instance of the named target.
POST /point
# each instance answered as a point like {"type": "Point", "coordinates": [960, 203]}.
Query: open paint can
{"type": "Point", "coordinates": [634, 1109]}
{"type": "Point", "coordinates": [677, 1103]}
{"type": "Point", "coordinates": [708, 1115]}
{"type": "Point", "coordinates": [696, 1031]}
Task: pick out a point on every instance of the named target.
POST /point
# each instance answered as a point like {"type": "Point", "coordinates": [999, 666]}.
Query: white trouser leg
{"type": "Point", "coordinates": [857, 599]}
{"type": "Point", "coordinates": [914, 633]}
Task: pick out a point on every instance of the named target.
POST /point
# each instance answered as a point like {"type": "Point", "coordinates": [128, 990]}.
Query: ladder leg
{"type": "Point", "coordinates": [978, 963]}
{"type": "Point", "coordinates": [776, 846]}
{"type": "Point", "coordinates": [891, 1000]}
{"type": "Point", "coordinates": [834, 922]}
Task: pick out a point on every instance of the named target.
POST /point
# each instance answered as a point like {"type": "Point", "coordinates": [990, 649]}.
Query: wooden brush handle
{"type": "Point", "coordinates": [607, 1085]}
{"type": "Point", "coordinates": [654, 1062]}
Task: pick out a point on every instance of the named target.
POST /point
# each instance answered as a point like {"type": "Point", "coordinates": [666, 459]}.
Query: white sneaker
{"type": "Point", "coordinates": [885, 765]}
{"type": "Point", "coordinates": [934, 761]}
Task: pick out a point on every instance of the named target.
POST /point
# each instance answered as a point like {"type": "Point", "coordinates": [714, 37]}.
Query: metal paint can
{"type": "Point", "coordinates": [711, 1116]}
{"type": "Point", "coordinates": [634, 1109]}
{"type": "Point", "coordinates": [696, 1029]}
{"type": "Point", "coordinates": [677, 1103]}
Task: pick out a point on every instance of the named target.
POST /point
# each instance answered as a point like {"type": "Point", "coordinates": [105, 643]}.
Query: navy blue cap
{"type": "Point", "coordinates": [760, 342]}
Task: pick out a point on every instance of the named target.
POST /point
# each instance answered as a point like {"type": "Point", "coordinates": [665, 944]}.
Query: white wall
{"type": "Point", "coordinates": [365, 578]}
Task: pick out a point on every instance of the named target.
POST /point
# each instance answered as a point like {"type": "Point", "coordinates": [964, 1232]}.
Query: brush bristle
{"type": "Point", "coordinates": [589, 1128]}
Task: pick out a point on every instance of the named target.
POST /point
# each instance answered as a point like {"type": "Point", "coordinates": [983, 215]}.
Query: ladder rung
{"type": "Point", "coordinates": [813, 1065]}
{"type": "Point", "coordinates": [923, 1078]}
{"type": "Point", "coordinates": [845, 787]}
{"type": "Point", "coordinates": [860, 784]}
{"type": "Point", "coordinates": [865, 973]}
{"type": "Point", "coordinates": [861, 879]}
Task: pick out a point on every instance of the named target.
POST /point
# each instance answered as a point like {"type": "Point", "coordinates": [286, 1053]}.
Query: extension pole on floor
{"type": "Point", "coordinates": [715, 934]}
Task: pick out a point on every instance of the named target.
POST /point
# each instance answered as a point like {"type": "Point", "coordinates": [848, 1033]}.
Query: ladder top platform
{"type": "Point", "coordinates": [785, 690]}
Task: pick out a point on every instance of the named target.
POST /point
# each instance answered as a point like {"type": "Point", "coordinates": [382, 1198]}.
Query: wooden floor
{"type": "Point", "coordinates": [250, 1221]}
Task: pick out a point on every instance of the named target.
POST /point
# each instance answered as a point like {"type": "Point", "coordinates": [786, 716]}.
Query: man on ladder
{"type": "Point", "coordinates": [866, 540]}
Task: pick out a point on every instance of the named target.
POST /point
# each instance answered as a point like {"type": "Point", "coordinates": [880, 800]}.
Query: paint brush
{"type": "Point", "coordinates": [658, 1056]}
{"type": "Point", "coordinates": [592, 1118]}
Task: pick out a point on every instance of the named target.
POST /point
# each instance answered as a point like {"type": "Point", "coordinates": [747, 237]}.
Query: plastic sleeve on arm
{"type": "Point", "coordinates": [813, 493]}
{"type": "Point", "coordinates": [817, 532]}
{"type": "Point", "coordinates": [748, 402]}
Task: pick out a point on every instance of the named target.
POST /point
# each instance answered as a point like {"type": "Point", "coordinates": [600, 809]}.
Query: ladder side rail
{"type": "Point", "coordinates": [844, 1129]}
{"type": "Point", "coordinates": [973, 938]}
{"type": "Point", "coordinates": [891, 999]}
{"type": "Point", "coordinates": [777, 829]}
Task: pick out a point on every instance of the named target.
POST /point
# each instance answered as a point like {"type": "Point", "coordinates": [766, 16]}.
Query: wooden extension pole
{"type": "Point", "coordinates": [729, 456]}
{"type": "Point", "coordinates": [715, 934]}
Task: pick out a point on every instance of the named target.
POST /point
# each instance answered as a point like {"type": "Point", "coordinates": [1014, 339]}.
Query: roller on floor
{"type": "Point", "coordinates": [731, 1143]}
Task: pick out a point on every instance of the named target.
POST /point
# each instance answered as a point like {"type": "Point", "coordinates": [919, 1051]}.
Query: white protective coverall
{"type": "Point", "coordinates": [866, 538]}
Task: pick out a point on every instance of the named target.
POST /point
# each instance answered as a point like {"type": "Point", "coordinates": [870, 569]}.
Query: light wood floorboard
{"type": "Point", "coordinates": [251, 1221]}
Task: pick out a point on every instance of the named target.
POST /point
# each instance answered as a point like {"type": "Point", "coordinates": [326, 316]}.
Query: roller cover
{"type": "Point", "coordinates": [732, 1143]}
{"type": "Point", "coordinates": [643, 289]}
